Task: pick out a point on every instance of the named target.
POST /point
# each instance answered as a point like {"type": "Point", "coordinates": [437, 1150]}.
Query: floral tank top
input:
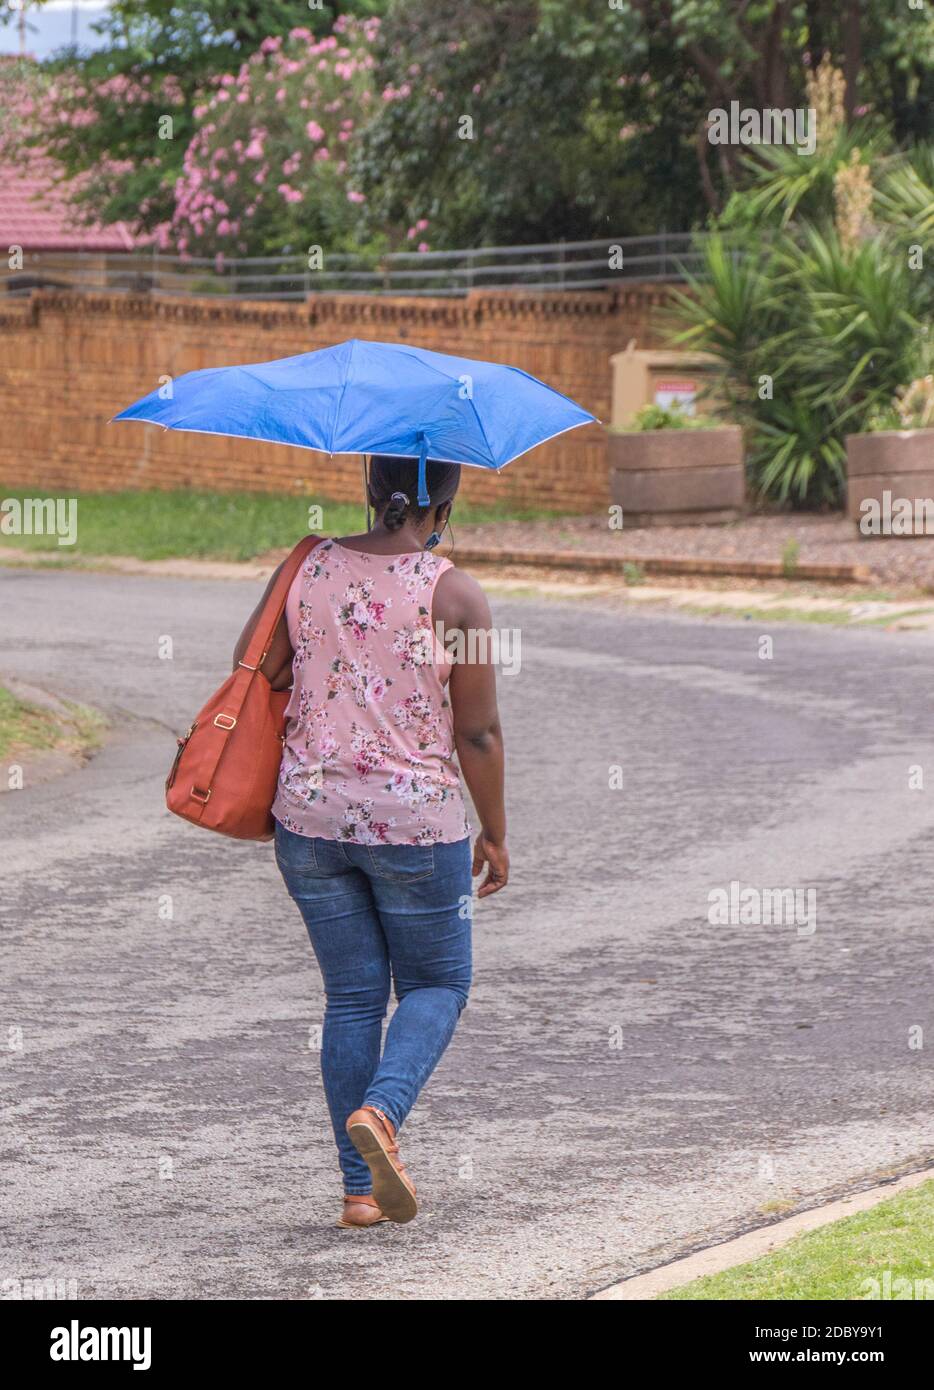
{"type": "Point", "coordinates": [369, 744]}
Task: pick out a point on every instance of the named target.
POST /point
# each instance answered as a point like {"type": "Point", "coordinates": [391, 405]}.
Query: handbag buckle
{"type": "Point", "coordinates": [219, 724]}
{"type": "Point", "coordinates": [203, 797]}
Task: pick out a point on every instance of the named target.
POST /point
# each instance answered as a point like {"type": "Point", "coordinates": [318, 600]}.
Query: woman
{"type": "Point", "coordinates": [371, 834]}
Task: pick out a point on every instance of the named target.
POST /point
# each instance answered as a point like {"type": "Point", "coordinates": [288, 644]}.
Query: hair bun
{"type": "Point", "coordinates": [396, 510]}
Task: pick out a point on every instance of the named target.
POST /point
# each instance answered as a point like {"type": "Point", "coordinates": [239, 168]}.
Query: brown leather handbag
{"type": "Point", "coordinates": [225, 771]}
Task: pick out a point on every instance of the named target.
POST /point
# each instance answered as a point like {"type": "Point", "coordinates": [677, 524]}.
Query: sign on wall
{"type": "Point", "coordinates": [681, 394]}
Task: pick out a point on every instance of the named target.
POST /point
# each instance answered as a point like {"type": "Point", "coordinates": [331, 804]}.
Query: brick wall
{"type": "Point", "coordinates": [69, 362]}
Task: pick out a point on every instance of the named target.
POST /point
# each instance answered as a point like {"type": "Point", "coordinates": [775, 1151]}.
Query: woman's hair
{"type": "Point", "coordinates": [394, 485]}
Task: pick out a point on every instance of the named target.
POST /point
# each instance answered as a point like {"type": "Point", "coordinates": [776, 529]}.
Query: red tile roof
{"type": "Point", "coordinates": [38, 216]}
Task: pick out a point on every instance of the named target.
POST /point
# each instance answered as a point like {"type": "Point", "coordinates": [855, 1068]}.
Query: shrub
{"type": "Point", "coordinates": [815, 321]}
{"type": "Point", "coordinates": [267, 169]}
{"type": "Point", "coordinates": [659, 417]}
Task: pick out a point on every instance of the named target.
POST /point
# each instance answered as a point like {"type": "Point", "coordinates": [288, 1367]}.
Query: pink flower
{"type": "Point", "coordinates": [354, 197]}
{"type": "Point", "coordinates": [314, 132]}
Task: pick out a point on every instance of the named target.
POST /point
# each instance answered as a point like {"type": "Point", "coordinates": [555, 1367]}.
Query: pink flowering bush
{"type": "Point", "coordinates": [267, 169]}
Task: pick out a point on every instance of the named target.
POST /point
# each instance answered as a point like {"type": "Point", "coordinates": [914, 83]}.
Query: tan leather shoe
{"type": "Point", "coordinates": [359, 1213]}
{"type": "Point", "coordinates": [373, 1137]}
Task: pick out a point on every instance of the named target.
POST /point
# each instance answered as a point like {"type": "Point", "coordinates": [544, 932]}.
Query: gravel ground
{"type": "Point", "coordinates": [897, 563]}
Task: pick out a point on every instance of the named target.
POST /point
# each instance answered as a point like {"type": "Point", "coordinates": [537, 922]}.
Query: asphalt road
{"type": "Point", "coordinates": [629, 1082]}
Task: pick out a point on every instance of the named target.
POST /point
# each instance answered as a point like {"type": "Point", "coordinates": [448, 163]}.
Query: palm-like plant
{"type": "Point", "coordinates": [784, 185]}
{"type": "Point", "coordinates": [905, 197]}
{"type": "Point", "coordinates": [812, 337]}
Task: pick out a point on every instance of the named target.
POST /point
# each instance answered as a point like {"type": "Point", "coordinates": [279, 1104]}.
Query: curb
{"type": "Point", "coordinates": [583, 562]}
{"type": "Point", "coordinates": [754, 1244]}
{"type": "Point", "coordinates": [659, 564]}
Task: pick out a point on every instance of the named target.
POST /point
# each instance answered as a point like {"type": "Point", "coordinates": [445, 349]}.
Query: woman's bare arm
{"type": "Point", "coordinates": [461, 605]}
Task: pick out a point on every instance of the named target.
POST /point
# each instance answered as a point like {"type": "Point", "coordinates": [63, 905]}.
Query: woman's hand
{"type": "Point", "coordinates": [496, 858]}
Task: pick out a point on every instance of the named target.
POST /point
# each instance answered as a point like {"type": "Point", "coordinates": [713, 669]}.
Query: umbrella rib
{"type": "Point", "coordinates": [483, 432]}
{"type": "Point", "coordinates": [337, 414]}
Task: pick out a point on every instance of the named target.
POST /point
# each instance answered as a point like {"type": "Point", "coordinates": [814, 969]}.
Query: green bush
{"type": "Point", "coordinates": [659, 417]}
{"type": "Point", "coordinates": [816, 324]}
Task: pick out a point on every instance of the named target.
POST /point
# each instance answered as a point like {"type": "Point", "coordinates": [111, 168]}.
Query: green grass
{"type": "Point", "coordinates": [791, 553]}
{"type": "Point", "coordinates": [838, 617]}
{"type": "Point", "coordinates": [212, 525]}
{"type": "Point", "coordinates": [24, 726]}
{"type": "Point", "coordinates": [837, 1261]}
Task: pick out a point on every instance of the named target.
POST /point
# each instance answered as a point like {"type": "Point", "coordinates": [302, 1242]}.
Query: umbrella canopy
{"type": "Point", "coordinates": [371, 398]}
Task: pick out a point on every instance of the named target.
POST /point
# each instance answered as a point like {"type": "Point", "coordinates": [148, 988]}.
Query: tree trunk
{"type": "Point", "coordinates": [852, 54]}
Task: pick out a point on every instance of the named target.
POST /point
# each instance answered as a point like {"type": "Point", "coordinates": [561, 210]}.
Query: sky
{"type": "Point", "coordinates": [50, 27]}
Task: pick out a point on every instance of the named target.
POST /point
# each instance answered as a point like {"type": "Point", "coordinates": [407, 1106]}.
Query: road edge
{"type": "Point", "coordinates": [752, 1245]}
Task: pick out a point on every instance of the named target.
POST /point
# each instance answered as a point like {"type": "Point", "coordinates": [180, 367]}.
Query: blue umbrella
{"type": "Point", "coordinates": [371, 398]}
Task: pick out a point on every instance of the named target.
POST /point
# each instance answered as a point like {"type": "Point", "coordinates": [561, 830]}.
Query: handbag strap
{"type": "Point", "coordinates": [256, 651]}
{"type": "Point", "coordinates": [263, 632]}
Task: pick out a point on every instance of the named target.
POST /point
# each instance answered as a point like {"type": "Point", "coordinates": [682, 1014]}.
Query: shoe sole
{"type": "Point", "coordinates": [354, 1226]}
{"type": "Point", "coordinates": [392, 1195]}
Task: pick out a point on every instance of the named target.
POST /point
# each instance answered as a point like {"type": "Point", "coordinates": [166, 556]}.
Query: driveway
{"type": "Point", "coordinates": [629, 1081]}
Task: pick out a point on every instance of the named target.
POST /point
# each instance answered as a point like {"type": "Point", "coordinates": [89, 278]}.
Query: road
{"type": "Point", "coordinates": [628, 1083]}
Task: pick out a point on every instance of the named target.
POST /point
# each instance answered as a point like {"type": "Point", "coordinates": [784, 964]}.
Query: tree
{"type": "Point", "coordinates": [120, 119]}
{"type": "Point", "coordinates": [526, 120]}
{"type": "Point", "coordinates": [266, 170]}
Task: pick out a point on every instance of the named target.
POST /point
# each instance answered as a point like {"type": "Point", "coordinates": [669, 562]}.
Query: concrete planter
{"type": "Point", "coordinates": [890, 468]}
{"type": "Point", "coordinates": [677, 477]}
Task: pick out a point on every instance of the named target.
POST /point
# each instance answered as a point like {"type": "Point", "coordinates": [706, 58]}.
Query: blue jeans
{"type": "Point", "coordinates": [371, 910]}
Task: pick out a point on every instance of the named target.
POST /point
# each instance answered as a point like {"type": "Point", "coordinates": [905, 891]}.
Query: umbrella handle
{"type": "Point", "coordinates": [423, 497]}
{"type": "Point", "coordinates": [366, 493]}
